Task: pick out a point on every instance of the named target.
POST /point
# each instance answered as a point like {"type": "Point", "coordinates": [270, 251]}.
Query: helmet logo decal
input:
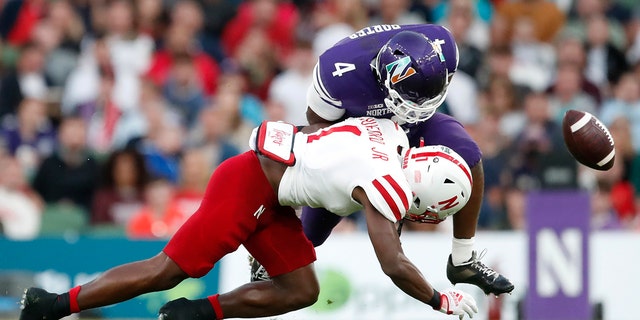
{"type": "Point", "coordinates": [449, 203]}
{"type": "Point", "coordinates": [400, 69]}
{"type": "Point", "coordinates": [438, 49]}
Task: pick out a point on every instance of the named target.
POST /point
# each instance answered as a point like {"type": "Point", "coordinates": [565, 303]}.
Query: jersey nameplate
{"type": "Point", "coordinates": [275, 141]}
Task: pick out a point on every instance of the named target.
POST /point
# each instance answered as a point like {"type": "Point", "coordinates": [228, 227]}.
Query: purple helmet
{"type": "Point", "coordinates": [413, 71]}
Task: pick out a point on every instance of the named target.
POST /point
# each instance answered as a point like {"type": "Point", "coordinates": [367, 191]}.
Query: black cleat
{"type": "Point", "coordinates": [258, 272]}
{"type": "Point", "coordinates": [476, 273]}
{"type": "Point", "coordinates": [38, 304]}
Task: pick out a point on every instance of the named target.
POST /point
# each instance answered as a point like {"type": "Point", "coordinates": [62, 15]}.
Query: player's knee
{"type": "Point", "coordinates": [305, 295]}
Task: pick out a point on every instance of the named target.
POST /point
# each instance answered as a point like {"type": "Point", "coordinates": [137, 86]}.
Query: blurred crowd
{"type": "Point", "coordinates": [121, 109]}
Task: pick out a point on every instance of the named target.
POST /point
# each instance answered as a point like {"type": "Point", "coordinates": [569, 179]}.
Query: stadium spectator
{"type": "Point", "coordinates": [27, 80]}
{"type": "Point", "coordinates": [214, 133]}
{"type": "Point", "coordinates": [29, 135]}
{"type": "Point", "coordinates": [183, 88]}
{"type": "Point", "coordinates": [603, 215]}
{"type": "Point", "coordinates": [621, 192]}
{"type": "Point", "coordinates": [394, 12]}
{"type": "Point", "coordinates": [60, 34]}
{"type": "Point", "coordinates": [504, 101]}
{"type": "Point", "coordinates": [624, 103]}
{"type": "Point", "coordinates": [195, 170]}
{"type": "Point", "coordinates": [331, 21]}
{"type": "Point", "coordinates": [256, 60]}
{"type": "Point", "coordinates": [467, 29]}
{"type": "Point", "coordinates": [289, 88]}
{"type": "Point", "coordinates": [70, 174]}
{"type": "Point", "coordinates": [130, 50]}
{"type": "Point", "coordinates": [567, 93]}
{"type": "Point", "coordinates": [20, 206]}
{"type": "Point", "coordinates": [538, 159]}
{"type": "Point", "coordinates": [110, 126]}
{"type": "Point", "coordinates": [162, 152]}
{"type": "Point", "coordinates": [470, 17]}
{"type": "Point", "coordinates": [83, 83]}
{"type": "Point", "coordinates": [180, 44]}
{"type": "Point", "coordinates": [274, 20]}
{"type": "Point", "coordinates": [18, 18]}
{"type": "Point", "coordinates": [120, 193]}
{"type": "Point", "coordinates": [152, 19]}
{"type": "Point", "coordinates": [605, 63]}
{"type": "Point", "coordinates": [216, 16]}
{"type": "Point", "coordinates": [583, 10]}
{"type": "Point", "coordinates": [160, 217]}
{"type": "Point", "coordinates": [572, 51]}
{"type": "Point", "coordinates": [546, 17]}
{"type": "Point", "coordinates": [533, 60]}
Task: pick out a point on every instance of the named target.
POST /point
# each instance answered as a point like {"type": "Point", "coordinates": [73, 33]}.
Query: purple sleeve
{"type": "Point", "coordinates": [318, 224]}
{"type": "Point", "coordinates": [447, 131]}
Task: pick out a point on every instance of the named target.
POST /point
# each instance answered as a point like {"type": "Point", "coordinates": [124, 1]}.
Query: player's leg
{"type": "Point", "coordinates": [280, 245]}
{"type": "Point", "coordinates": [464, 265]}
{"type": "Point", "coordinates": [284, 293]}
{"type": "Point", "coordinates": [115, 285]}
{"type": "Point", "coordinates": [286, 254]}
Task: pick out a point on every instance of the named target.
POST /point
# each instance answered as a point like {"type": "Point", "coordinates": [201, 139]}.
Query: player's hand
{"type": "Point", "coordinates": [458, 303]}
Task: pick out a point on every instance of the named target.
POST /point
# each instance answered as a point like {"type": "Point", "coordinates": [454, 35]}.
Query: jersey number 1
{"type": "Point", "coordinates": [345, 128]}
{"type": "Point", "coordinates": [342, 67]}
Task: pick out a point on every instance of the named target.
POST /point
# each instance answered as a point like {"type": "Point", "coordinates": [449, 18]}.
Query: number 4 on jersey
{"type": "Point", "coordinates": [342, 67]}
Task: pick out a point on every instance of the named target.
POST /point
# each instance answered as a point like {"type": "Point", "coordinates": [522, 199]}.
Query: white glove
{"type": "Point", "coordinates": [456, 302]}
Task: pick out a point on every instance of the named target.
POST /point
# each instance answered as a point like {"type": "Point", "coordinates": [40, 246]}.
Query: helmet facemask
{"type": "Point", "coordinates": [409, 111]}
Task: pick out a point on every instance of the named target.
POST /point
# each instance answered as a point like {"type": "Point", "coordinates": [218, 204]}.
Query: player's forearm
{"type": "Point", "coordinates": [409, 279]}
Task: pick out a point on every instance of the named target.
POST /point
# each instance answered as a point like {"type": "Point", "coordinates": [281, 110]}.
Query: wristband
{"type": "Point", "coordinates": [435, 301]}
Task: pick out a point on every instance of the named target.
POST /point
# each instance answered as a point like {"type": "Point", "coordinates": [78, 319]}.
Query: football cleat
{"type": "Point", "coordinates": [37, 304]}
{"type": "Point", "coordinates": [475, 272]}
{"type": "Point", "coordinates": [258, 272]}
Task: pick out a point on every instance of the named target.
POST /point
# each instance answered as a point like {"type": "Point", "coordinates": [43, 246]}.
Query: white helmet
{"type": "Point", "coordinates": [440, 180]}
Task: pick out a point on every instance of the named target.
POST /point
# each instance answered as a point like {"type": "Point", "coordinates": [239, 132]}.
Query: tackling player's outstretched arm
{"type": "Point", "coordinates": [404, 274]}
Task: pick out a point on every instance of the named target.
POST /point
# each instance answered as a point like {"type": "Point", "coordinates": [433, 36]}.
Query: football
{"type": "Point", "coordinates": [588, 140]}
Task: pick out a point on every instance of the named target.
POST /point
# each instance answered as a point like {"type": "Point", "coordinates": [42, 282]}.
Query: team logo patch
{"type": "Point", "coordinates": [400, 69]}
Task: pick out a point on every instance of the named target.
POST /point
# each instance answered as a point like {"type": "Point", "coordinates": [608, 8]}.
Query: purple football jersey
{"type": "Point", "coordinates": [345, 85]}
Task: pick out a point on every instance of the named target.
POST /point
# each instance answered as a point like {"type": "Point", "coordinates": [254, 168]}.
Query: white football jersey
{"type": "Point", "coordinates": [332, 162]}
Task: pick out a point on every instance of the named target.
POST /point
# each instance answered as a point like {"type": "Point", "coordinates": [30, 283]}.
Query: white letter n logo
{"type": "Point", "coordinates": [559, 262]}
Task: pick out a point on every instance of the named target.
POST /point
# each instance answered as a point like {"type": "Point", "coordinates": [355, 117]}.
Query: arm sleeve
{"type": "Point", "coordinates": [318, 224]}
{"type": "Point", "coordinates": [320, 101]}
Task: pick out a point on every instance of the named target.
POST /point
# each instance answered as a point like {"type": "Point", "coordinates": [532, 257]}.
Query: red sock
{"type": "Point", "coordinates": [73, 299]}
{"type": "Point", "coordinates": [216, 306]}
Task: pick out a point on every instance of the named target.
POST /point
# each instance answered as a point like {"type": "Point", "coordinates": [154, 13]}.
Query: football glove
{"type": "Point", "coordinates": [185, 309]}
{"type": "Point", "coordinates": [456, 302]}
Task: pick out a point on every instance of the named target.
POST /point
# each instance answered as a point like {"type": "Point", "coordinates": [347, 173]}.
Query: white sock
{"type": "Point", "coordinates": [461, 250]}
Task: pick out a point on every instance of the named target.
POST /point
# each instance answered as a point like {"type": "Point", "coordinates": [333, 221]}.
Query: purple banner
{"type": "Point", "coordinates": [558, 227]}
